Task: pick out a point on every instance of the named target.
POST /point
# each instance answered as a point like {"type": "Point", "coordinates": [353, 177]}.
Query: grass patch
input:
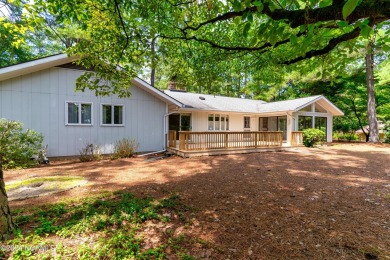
{"type": "Point", "coordinates": [65, 180]}
{"type": "Point", "coordinates": [111, 226]}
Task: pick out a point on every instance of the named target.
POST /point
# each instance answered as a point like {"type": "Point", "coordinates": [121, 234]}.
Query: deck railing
{"type": "Point", "coordinates": [172, 138]}
{"type": "Point", "coordinates": [296, 138]}
{"type": "Point", "coordinates": [192, 141]}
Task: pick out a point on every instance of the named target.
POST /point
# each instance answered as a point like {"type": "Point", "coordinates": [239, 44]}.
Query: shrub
{"type": "Point", "coordinates": [387, 132]}
{"type": "Point", "coordinates": [90, 153]}
{"type": "Point", "coordinates": [312, 136]}
{"type": "Point", "coordinates": [125, 148]}
{"type": "Point", "coordinates": [18, 147]}
{"type": "Point", "coordinates": [349, 136]}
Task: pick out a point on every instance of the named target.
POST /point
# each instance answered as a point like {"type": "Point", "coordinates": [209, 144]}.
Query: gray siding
{"type": "Point", "coordinates": [38, 101]}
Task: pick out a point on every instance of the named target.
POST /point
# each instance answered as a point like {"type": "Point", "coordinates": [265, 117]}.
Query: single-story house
{"type": "Point", "coordinates": [362, 136]}
{"type": "Point", "coordinates": [41, 94]}
{"type": "Point", "coordinates": [246, 123]}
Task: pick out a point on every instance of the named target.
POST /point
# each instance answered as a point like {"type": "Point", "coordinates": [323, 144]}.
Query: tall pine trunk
{"type": "Point", "coordinates": [153, 65]}
{"type": "Point", "coordinates": [371, 110]}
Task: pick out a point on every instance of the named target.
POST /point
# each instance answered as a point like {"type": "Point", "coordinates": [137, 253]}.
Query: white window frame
{"type": "Point", "coordinates": [226, 116]}
{"type": "Point", "coordinates": [112, 114]}
{"type": "Point", "coordinates": [79, 113]}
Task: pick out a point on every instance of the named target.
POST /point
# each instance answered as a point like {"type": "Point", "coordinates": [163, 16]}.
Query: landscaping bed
{"type": "Point", "coordinates": [330, 202]}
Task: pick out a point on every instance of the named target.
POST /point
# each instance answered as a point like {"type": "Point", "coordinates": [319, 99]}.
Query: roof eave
{"type": "Point", "coordinates": [34, 66]}
{"type": "Point", "coordinates": [156, 92]}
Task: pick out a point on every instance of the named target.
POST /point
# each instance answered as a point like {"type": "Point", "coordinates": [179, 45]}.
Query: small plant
{"type": "Point", "coordinates": [312, 136]}
{"type": "Point", "coordinates": [90, 153]}
{"type": "Point", "coordinates": [125, 148]}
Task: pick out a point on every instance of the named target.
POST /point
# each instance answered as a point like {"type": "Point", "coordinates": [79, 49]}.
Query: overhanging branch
{"type": "Point", "coordinates": [330, 46]}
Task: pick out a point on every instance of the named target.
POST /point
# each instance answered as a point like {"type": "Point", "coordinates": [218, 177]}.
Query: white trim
{"type": "Point", "coordinates": [79, 113]}
{"type": "Point", "coordinates": [226, 116]}
{"type": "Point", "coordinates": [112, 115]}
{"type": "Point", "coordinates": [341, 113]}
{"type": "Point", "coordinates": [34, 66]}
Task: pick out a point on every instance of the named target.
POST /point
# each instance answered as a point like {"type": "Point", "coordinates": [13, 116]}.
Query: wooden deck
{"type": "Point", "coordinates": [212, 143]}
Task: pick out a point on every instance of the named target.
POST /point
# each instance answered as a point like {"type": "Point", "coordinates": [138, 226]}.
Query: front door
{"type": "Point", "coordinates": [174, 123]}
{"type": "Point", "coordinates": [282, 126]}
{"type": "Point", "coordinates": [179, 122]}
{"type": "Point", "coordinates": [185, 122]}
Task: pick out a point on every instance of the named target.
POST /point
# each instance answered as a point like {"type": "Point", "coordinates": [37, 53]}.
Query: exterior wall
{"type": "Point", "coordinates": [236, 121]}
{"type": "Point", "coordinates": [38, 101]}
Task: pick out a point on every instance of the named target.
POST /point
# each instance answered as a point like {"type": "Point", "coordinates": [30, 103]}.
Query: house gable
{"type": "Point", "coordinates": [63, 61]}
{"type": "Point", "coordinates": [39, 100]}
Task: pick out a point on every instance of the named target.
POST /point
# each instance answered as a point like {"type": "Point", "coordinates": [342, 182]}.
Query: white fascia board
{"type": "Point", "coordinates": [155, 92]}
{"type": "Point", "coordinates": [34, 66]}
{"type": "Point", "coordinates": [261, 114]}
{"type": "Point", "coordinates": [328, 106]}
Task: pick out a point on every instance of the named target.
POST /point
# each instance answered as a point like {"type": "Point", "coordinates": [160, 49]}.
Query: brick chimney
{"type": "Point", "coordinates": [173, 85]}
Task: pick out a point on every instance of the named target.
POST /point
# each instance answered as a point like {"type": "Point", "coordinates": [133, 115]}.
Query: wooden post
{"type": "Point", "coordinates": [255, 140]}
{"type": "Point", "coordinates": [181, 141]}
{"type": "Point", "coordinates": [186, 140]}
{"type": "Point", "coordinates": [226, 140]}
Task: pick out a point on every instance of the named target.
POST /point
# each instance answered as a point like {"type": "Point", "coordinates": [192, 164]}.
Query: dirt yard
{"type": "Point", "coordinates": [323, 203]}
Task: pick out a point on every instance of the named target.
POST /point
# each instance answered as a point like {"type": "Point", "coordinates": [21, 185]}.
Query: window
{"type": "Point", "coordinates": [247, 122]}
{"type": "Point", "coordinates": [78, 113]}
{"type": "Point", "coordinates": [218, 122]}
{"type": "Point", "coordinates": [263, 123]}
{"type": "Point", "coordinates": [112, 115]}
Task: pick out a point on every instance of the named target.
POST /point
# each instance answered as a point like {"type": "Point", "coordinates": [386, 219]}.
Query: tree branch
{"type": "Point", "coordinates": [180, 3]}
{"type": "Point", "coordinates": [123, 26]}
{"type": "Point", "coordinates": [330, 46]}
{"type": "Point", "coordinates": [377, 9]}
{"type": "Point", "coordinates": [231, 48]}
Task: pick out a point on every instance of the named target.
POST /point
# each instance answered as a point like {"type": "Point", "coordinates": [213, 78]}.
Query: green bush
{"type": "Point", "coordinates": [349, 136]}
{"type": "Point", "coordinates": [18, 147]}
{"type": "Point", "coordinates": [90, 153]}
{"type": "Point", "coordinates": [387, 132]}
{"type": "Point", "coordinates": [312, 136]}
{"type": "Point", "coordinates": [125, 148]}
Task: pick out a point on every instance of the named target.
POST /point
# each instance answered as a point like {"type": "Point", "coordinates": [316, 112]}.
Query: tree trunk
{"type": "Point", "coordinates": [153, 65]}
{"type": "Point", "coordinates": [371, 110]}
{"type": "Point", "coordinates": [6, 224]}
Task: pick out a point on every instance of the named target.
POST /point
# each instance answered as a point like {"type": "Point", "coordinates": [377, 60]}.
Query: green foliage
{"type": "Point", "coordinates": [125, 148]}
{"type": "Point", "coordinates": [312, 136]}
{"type": "Point", "coordinates": [111, 224]}
{"type": "Point", "coordinates": [348, 8]}
{"type": "Point", "coordinates": [387, 132]}
{"type": "Point", "coordinates": [89, 153]}
{"type": "Point", "coordinates": [349, 136]}
{"type": "Point", "coordinates": [18, 147]}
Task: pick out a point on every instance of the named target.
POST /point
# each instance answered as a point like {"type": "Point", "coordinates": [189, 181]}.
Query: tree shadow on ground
{"type": "Point", "coordinates": [313, 204]}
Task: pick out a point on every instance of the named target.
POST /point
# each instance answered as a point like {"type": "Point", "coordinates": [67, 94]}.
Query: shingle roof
{"type": "Point", "coordinates": [211, 102]}
{"type": "Point", "coordinates": [242, 105]}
